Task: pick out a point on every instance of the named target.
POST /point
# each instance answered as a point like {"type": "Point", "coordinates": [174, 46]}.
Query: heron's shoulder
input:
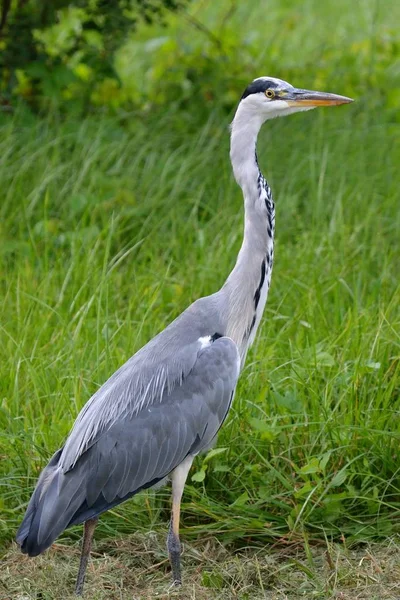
{"type": "Point", "coordinates": [206, 305]}
{"type": "Point", "coordinates": [203, 317]}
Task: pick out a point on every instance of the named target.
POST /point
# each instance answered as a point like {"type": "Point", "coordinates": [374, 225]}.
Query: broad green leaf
{"type": "Point", "coordinates": [214, 452]}
{"type": "Point", "coordinates": [199, 476]}
{"type": "Point", "coordinates": [304, 490]}
{"type": "Point", "coordinates": [323, 461]}
{"type": "Point", "coordinates": [339, 478]}
{"type": "Point", "coordinates": [312, 466]}
{"type": "Point", "coordinates": [324, 359]}
{"type": "Point", "coordinates": [241, 500]}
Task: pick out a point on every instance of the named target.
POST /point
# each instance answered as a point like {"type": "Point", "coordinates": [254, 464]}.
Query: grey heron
{"type": "Point", "coordinates": [168, 401]}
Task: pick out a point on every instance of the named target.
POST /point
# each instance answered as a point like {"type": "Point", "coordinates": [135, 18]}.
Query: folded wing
{"type": "Point", "coordinates": [131, 436]}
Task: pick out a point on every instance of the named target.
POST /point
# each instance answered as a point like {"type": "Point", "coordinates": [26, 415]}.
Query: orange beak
{"type": "Point", "coordinates": [298, 97]}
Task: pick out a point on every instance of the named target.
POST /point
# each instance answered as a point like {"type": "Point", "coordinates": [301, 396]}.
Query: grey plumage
{"type": "Point", "coordinates": [147, 432]}
{"type": "Point", "coordinates": [168, 401]}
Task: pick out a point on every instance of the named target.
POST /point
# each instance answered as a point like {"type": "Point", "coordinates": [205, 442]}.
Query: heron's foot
{"type": "Point", "coordinates": [174, 551]}
{"type": "Point", "coordinates": [174, 585]}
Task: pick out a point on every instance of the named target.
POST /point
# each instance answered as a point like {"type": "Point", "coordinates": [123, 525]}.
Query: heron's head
{"type": "Point", "coordinates": [269, 97]}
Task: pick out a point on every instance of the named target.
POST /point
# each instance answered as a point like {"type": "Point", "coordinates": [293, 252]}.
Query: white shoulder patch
{"type": "Point", "coordinates": [205, 341]}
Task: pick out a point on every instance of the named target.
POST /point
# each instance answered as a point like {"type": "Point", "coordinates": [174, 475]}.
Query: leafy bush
{"type": "Point", "coordinates": [117, 56]}
{"type": "Point", "coordinates": [58, 51]}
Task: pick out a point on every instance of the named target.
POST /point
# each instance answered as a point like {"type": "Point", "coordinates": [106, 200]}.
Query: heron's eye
{"type": "Point", "coordinates": [270, 93]}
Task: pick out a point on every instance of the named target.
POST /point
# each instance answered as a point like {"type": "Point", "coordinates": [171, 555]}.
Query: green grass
{"type": "Point", "coordinates": [111, 227]}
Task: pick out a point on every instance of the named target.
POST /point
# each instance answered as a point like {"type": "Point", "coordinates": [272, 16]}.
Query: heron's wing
{"type": "Point", "coordinates": [137, 451]}
{"type": "Point", "coordinates": [144, 381]}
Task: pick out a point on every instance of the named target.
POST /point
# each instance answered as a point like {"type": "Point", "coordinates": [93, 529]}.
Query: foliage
{"type": "Point", "coordinates": [60, 51]}
{"type": "Point", "coordinates": [94, 55]}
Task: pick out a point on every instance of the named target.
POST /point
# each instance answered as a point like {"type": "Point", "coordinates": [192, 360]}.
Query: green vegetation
{"type": "Point", "coordinates": [111, 224]}
{"type": "Point", "coordinates": [63, 52]}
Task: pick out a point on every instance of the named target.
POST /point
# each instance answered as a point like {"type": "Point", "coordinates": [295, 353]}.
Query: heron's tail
{"type": "Point", "coordinates": [49, 511]}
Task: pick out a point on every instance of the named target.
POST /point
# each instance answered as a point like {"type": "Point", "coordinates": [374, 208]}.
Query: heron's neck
{"type": "Point", "coordinates": [247, 285]}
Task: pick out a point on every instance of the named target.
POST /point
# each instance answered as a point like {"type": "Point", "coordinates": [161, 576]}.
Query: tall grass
{"type": "Point", "coordinates": [111, 228]}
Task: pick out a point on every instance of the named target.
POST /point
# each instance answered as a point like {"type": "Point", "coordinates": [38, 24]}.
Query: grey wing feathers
{"type": "Point", "coordinates": [138, 449]}
{"type": "Point", "coordinates": [136, 385]}
{"type": "Point", "coordinates": [150, 444]}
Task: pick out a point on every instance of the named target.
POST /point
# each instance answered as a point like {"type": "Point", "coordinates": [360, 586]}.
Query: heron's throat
{"type": "Point", "coordinates": [244, 132]}
{"type": "Point", "coordinates": [248, 284]}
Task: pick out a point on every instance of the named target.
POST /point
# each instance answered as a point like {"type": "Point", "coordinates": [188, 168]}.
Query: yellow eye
{"type": "Point", "coordinates": [270, 93]}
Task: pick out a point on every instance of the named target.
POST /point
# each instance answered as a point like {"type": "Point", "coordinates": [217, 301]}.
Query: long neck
{"type": "Point", "coordinates": [247, 286]}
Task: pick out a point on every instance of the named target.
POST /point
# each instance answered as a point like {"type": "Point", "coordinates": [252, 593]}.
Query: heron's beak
{"type": "Point", "coordinates": [299, 98]}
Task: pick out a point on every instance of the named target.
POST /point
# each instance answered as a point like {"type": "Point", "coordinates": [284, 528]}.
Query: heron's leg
{"type": "Point", "coordinates": [179, 476]}
{"type": "Point", "coordinates": [88, 532]}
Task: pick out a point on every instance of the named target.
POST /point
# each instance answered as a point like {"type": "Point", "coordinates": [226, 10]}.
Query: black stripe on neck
{"type": "Point", "coordinates": [258, 290]}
